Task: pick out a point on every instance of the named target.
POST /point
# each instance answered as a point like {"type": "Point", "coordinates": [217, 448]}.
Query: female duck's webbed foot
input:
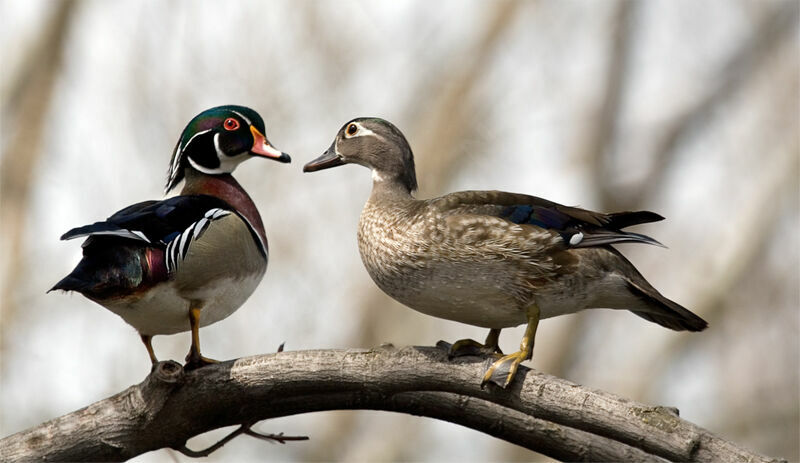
{"type": "Point", "coordinates": [193, 358]}
{"type": "Point", "coordinates": [502, 371]}
{"type": "Point", "coordinates": [465, 347]}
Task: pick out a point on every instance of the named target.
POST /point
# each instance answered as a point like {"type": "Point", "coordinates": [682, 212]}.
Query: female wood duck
{"type": "Point", "coordinates": [190, 260]}
{"type": "Point", "coordinates": [490, 258]}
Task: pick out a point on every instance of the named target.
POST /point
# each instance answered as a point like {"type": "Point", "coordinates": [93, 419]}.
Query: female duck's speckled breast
{"type": "Point", "coordinates": [401, 251]}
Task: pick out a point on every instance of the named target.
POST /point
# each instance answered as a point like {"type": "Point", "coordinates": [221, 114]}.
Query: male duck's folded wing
{"type": "Point", "coordinates": [578, 227]}
{"type": "Point", "coordinates": [157, 222]}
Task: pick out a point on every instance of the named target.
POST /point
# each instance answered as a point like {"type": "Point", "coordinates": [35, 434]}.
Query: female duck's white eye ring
{"type": "Point", "coordinates": [351, 129]}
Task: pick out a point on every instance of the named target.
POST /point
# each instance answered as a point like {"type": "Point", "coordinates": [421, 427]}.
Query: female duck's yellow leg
{"type": "Point", "coordinates": [471, 347]}
{"type": "Point", "coordinates": [147, 340]}
{"type": "Point", "coordinates": [502, 371]}
{"type": "Point", "coordinates": [193, 358]}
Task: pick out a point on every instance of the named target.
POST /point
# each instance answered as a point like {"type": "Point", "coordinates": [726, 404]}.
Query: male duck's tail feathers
{"type": "Point", "coordinates": [108, 269]}
{"type": "Point", "coordinates": [665, 312]}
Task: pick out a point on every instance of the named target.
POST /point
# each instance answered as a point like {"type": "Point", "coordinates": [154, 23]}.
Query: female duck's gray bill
{"type": "Point", "coordinates": [328, 159]}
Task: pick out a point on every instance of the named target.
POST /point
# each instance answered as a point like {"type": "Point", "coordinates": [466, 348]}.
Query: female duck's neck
{"type": "Point", "coordinates": [389, 187]}
{"type": "Point", "coordinates": [226, 188]}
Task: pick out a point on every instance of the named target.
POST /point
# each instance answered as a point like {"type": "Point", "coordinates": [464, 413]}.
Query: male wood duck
{"type": "Point", "coordinates": [490, 258]}
{"type": "Point", "coordinates": [190, 260]}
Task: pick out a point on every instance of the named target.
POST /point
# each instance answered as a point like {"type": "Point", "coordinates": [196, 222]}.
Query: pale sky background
{"type": "Point", "coordinates": [686, 108]}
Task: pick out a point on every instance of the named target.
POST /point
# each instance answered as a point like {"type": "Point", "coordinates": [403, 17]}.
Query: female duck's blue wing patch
{"type": "Point", "coordinates": [577, 227]}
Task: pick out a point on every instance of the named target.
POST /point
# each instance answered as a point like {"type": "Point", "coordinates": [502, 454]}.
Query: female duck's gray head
{"type": "Point", "coordinates": [373, 143]}
{"type": "Point", "coordinates": [219, 139]}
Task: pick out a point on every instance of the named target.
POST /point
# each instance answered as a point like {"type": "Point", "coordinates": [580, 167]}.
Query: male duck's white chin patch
{"type": "Point", "coordinates": [226, 165]}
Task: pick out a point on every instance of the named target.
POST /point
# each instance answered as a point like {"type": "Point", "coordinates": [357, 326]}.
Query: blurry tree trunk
{"type": "Point", "coordinates": [538, 411]}
{"type": "Point", "coordinates": [25, 110]}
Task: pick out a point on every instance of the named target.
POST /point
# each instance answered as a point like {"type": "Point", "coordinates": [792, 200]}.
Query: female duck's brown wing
{"type": "Point", "coordinates": [578, 227]}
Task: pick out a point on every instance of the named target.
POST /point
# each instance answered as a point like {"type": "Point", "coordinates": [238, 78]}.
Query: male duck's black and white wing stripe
{"type": "Point", "coordinates": [178, 247]}
{"type": "Point", "coordinates": [171, 224]}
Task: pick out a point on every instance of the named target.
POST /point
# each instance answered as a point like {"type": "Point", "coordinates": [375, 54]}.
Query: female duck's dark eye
{"type": "Point", "coordinates": [231, 124]}
{"type": "Point", "coordinates": [352, 129]}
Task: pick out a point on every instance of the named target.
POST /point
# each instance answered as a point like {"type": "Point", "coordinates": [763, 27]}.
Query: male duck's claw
{"type": "Point", "coordinates": [195, 360]}
{"type": "Point", "coordinates": [464, 347]}
{"type": "Point", "coordinates": [502, 371]}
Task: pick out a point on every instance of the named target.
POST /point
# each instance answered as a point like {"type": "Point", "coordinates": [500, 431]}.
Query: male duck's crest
{"type": "Point", "coordinates": [373, 143]}
{"type": "Point", "coordinates": [219, 139]}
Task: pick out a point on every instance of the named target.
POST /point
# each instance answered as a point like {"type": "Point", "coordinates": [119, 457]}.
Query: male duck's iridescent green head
{"type": "Point", "coordinates": [373, 143]}
{"type": "Point", "coordinates": [217, 140]}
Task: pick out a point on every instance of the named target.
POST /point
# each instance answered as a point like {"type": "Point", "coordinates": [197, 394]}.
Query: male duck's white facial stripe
{"type": "Point", "coordinates": [220, 154]}
{"type": "Point", "coordinates": [227, 164]}
{"type": "Point", "coordinates": [176, 157]}
{"type": "Point", "coordinates": [242, 116]}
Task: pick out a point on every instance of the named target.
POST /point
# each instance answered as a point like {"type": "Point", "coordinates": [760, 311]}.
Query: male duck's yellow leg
{"type": "Point", "coordinates": [502, 371]}
{"type": "Point", "coordinates": [147, 340]}
{"type": "Point", "coordinates": [471, 347]}
{"type": "Point", "coordinates": [193, 358]}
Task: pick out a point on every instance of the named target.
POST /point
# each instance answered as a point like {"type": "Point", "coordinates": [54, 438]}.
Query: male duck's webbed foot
{"type": "Point", "coordinates": [503, 370]}
{"type": "Point", "coordinates": [471, 347]}
{"type": "Point", "coordinates": [193, 358]}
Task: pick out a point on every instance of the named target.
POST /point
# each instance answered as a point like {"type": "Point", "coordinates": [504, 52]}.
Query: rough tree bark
{"type": "Point", "coordinates": [538, 411]}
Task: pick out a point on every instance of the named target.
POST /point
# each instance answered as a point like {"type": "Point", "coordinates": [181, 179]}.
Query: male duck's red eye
{"type": "Point", "coordinates": [231, 124]}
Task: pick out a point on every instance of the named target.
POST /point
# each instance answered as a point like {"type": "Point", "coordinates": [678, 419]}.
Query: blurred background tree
{"type": "Point", "coordinates": [687, 108]}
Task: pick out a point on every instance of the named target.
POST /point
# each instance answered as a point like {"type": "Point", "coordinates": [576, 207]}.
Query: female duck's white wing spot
{"type": "Point", "coordinates": [575, 239]}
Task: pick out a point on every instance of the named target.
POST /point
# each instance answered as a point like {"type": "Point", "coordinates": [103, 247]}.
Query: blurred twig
{"type": "Point", "coordinates": [776, 26]}
{"type": "Point", "coordinates": [172, 405]}
{"type": "Point", "coordinates": [738, 257]}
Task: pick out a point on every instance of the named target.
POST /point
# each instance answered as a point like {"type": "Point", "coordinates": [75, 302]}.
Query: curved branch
{"type": "Point", "coordinates": [171, 405]}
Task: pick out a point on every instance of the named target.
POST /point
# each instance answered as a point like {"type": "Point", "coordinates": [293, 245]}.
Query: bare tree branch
{"type": "Point", "coordinates": [171, 405]}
